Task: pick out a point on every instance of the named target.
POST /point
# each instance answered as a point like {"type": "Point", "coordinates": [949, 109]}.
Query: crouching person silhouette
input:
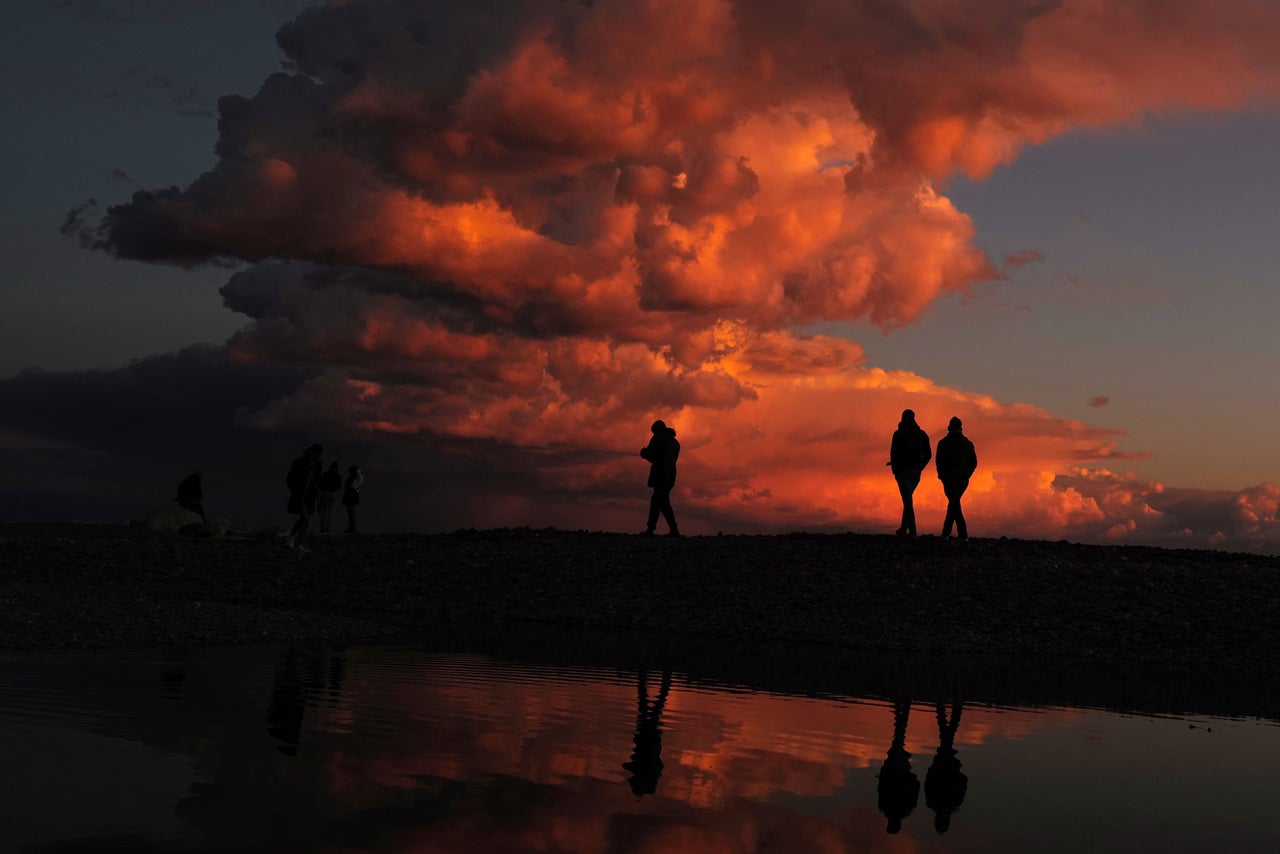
{"type": "Point", "coordinates": [956, 461]}
{"type": "Point", "coordinates": [661, 452]}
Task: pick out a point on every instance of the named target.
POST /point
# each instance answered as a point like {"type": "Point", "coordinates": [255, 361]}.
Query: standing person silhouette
{"type": "Point", "coordinates": [191, 494]}
{"type": "Point", "coordinates": [944, 782]}
{"type": "Point", "coordinates": [662, 452]}
{"type": "Point", "coordinates": [956, 461]}
{"type": "Point", "coordinates": [330, 486]}
{"type": "Point", "coordinates": [351, 496]}
{"type": "Point", "coordinates": [897, 787]}
{"type": "Point", "coordinates": [303, 481]}
{"type": "Point", "coordinates": [908, 455]}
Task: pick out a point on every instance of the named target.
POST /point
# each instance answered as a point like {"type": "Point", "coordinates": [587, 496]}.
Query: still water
{"type": "Point", "coordinates": [409, 749]}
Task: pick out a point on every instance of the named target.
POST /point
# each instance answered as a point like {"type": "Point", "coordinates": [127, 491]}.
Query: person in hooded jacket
{"type": "Point", "coordinates": [303, 481]}
{"type": "Point", "coordinates": [661, 452]}
{"type": "Point", "coordinates": [956, 462]}
{"type": "Point", "coordinates": [909, 453]}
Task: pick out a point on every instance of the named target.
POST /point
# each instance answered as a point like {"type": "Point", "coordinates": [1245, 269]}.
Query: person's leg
{"type": "Point", "coordinates": [962, 530]}
{"type": "Point", "coordinates": [906, 487]}
{"type": "Point", "coordinates": [326, 511]}
{"type": "Point", "coordinates": [664, 507]}
{"type": "Point", "coordinates": [655, 507]}
{"type": "Point", "coordinates": [949, 490]}
{"type": "Point", "coordinates": [300, 529]}
{"type": "Point", "coordinates": [351, 519]}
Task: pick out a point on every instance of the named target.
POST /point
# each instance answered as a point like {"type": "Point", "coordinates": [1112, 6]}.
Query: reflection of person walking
{"type": "Point", "coordinates": [303, 481]}
{"type": "Point", "coordinates": [956, 462]}
{"type": "Point", "coordinates": [898, 789]}
{"type": "Point", "coordinates": [191, 494]}
{"type": "Point", "coordinates": [661, 452]}
{"type": "Point", "coordinates": [908, 455]}
{"type": "Point", "coordinates": [351, 496]}
{"type": "Point", "coordinates": [330, 486]}
{"type": "Point", "coordinates": [945, 783]}
{"type": "Point", "coordinates": [646, 759]}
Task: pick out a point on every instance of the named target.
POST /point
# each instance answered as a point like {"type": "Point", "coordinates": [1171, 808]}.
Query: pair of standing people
{"type": "Point", "coordinates": [955, 461]}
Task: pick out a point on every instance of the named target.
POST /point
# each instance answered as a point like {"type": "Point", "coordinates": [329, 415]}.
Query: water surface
{"type": "Point", "coordinates": [409, 749]}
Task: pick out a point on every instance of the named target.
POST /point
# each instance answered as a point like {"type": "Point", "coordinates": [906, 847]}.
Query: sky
{"type": "Point", "coordinates": [479, 247]}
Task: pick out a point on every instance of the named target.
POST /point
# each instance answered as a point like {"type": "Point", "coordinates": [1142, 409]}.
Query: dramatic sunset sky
{"type": "Point", "coordinates": [479, 246]}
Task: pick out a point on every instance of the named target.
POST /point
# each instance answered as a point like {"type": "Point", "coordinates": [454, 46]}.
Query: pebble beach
{"type": "Point", "coordinates": [80, 586]}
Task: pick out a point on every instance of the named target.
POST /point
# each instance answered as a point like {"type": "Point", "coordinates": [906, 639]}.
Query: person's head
{"type": "Point", "coordinates": [658, 427]}
{"type": "Point", "coordinates": [315, 451]}
{"type": "Point", "coordinates": [954, 425]}
{"type": "Point", "coordinates": [353, 469]}
{"type": "Point", "coordinates": [908, 416]}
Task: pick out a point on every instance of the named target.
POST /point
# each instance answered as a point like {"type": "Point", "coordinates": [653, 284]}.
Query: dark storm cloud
{"type": "Point", "coordinates": [170, 94]}
{"type": "Point", "coordinates": [122, 12]}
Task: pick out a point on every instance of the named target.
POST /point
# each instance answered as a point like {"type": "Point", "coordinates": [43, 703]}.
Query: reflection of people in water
{"type": "Point", "coordinates": [898, 789]}
{"type": "Point", "coordinates": [945, 783]}
{"type": "Point", "coordinates": [290, 689]}
{"type": "Point", "coordinates": [646, 760]}
{"type": "Point", "coordinates": [284, 715]}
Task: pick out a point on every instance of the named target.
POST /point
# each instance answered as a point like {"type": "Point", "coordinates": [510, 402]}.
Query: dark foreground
{"type": "Point", "coordinates": [87, 586]}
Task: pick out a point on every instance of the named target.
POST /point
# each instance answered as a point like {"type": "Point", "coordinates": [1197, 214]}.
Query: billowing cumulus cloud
{"type": "Point", "coordinates": [534, 226]}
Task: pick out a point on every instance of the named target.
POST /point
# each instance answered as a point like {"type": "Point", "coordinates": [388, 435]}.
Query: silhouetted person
{"type": "Point", "coordinates": [956, 461]}
{"type": "Point", "coordinates": [908, 455]}
{"type": "Point", "coordinates": [898, 789]}
{"type": "Point", "coordinates": [646, 759]}
{"type": "Point", "coordinates": [944, 783]}
{"type": "Point", "coordinates": [303, 481]}
{"type": "Point", "coordinates": [191, 494]}
{"type": "Point", "coordinates": [351, 496]}
{"type": "Point", "coordinates": [330, 486]}
{"type": "Point", "coordinates": [661, 452]}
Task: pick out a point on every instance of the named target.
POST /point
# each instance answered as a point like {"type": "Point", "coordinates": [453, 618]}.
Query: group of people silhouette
{"type": "Point", "coordinates": [898, 788]}
{"type": "Point", "coordinates": [909, 454]}
{"type": "Point", "coordinates": [314, 489]}
{"type": "Point", "coordinates": [955, 461]}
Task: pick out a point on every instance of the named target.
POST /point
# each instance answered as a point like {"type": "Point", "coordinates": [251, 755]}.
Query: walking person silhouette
{"type": "Point", "coordinates": [646, 759]}
{"type": "Point", "coordinates": [956, 461]}
{"type": "Point", "coordinates": [662, 452]}
{"type": "Point", "coordinates": [908, 455]}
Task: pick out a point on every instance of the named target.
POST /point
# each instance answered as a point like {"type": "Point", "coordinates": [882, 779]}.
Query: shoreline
{"type": "Point", "coordinates": [82, 586]}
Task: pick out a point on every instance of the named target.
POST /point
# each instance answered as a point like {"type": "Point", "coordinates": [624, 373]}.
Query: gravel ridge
{"type": "Point", "coordinates": [68, 585]}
